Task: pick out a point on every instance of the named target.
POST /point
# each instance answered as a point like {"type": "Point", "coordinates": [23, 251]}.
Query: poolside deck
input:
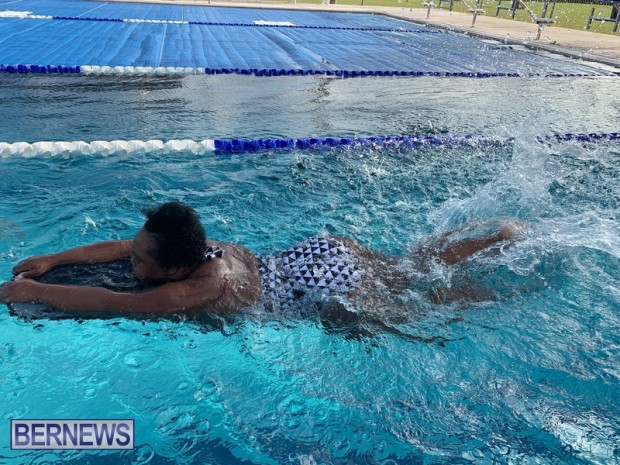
{"type": "Point", "coordinates": [602, 48]}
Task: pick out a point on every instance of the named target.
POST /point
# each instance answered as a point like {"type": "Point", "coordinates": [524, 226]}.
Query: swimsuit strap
{"type": "Point", "coordinates": [214, 251]}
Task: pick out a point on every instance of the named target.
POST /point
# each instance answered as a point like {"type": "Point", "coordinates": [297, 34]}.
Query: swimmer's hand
{"type": "Point", "coordinates": [19, 290]}
{"type": "Point", "coordinates": [33, 266]}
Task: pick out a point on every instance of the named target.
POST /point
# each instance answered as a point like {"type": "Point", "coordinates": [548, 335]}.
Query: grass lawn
{"type": "Point", "coordinates": [568, 15]}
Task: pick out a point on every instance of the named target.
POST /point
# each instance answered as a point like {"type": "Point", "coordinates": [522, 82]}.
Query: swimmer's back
{"type": "Point", "coordinates": [234, 275]}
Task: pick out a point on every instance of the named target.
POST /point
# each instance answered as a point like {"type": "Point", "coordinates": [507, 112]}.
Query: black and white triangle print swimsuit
{"type": "Point", "coordinates": [316, 265]}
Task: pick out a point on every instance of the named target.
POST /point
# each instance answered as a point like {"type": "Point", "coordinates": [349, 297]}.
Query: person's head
{"type": "Point", "coordinates": [170, 245]}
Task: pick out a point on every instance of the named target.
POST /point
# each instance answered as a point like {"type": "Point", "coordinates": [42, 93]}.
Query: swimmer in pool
{"type": "Point", "coordinates": [191, 275]}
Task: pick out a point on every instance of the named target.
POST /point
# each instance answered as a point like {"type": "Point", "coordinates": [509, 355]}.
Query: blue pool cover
{"type": "Point", "coordinates": [86, 36]}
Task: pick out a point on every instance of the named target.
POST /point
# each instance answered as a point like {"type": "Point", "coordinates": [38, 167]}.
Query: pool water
{"type": "Point", "coordinates": [529, 374]}
{"type": "Point", "coordinates": [198, 107]}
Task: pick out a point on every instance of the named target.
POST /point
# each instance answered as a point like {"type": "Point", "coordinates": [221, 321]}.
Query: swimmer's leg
{"type": "Point", "coordinates": [458, 246]}
{"type": "Point", "coordinates": [453, 252]}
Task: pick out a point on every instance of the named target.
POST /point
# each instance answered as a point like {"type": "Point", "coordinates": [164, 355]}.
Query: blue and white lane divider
{"type": "Point", "coordinates": [260, 23]}
{"type": "Point", "coordinates": [179, 70]}
{"type": "Point", "coordinates": [253, 24]}
{"type": "Point", "coordinates": [224, 146]}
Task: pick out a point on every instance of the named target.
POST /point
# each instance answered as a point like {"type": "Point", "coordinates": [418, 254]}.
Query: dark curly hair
{"type": "Point", "coordinates": [180, 239]}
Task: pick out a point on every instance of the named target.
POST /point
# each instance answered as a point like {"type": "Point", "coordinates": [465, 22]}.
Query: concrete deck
{"type": "Point", "coordinates": [602, 48]}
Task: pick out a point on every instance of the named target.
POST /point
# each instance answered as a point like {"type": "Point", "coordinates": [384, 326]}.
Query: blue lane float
{"type": "Point", "coordinates": [29, 9]}
{"type": "Point", "coordinates": [230, 146]}
{"type": "Point", "coordinates": [179, 70]}
{"type": "Point", "coordinates": [273, 24]}
{"type": "Point", "coordinates": [39, 69]}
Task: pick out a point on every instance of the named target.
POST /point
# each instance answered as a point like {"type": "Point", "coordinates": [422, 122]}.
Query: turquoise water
{"type": "Point", "coordinates": [530, 374]}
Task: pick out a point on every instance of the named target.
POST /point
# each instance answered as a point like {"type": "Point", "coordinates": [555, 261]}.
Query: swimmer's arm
{"type": "Point", "coordinates": [163, 300]}
{"type": "Point", "coordinates": [94, 253]}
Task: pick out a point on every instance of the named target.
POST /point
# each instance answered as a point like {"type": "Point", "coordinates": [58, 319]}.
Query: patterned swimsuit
{"type": "Point", "coordinates": [314, 266]}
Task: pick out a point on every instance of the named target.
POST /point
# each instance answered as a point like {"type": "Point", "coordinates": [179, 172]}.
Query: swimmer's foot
{"type": "Point", "coordinates": [458, 251]}
{"type": "Point", "coordinates": [507, 233]}
{"type": "Point", "coordinates": [512, 229]}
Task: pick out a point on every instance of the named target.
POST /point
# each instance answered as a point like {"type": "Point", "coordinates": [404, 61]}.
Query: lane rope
{"type": "Point", "coordinates": [259, 23]}
{"type": "Point", "coordinates": [28, 68]}
{"type": "Point", "coordinates": [260, 72]}
{"type": "Point", "coordinates": [227, 146]}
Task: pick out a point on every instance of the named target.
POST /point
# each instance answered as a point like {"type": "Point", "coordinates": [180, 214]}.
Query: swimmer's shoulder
{"type": "Point", "coordinates": [235, 275]}
{"type": "Point", "coordinates": [236, 260]}
{"type": "Point", "coordinates": [235, 252]}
